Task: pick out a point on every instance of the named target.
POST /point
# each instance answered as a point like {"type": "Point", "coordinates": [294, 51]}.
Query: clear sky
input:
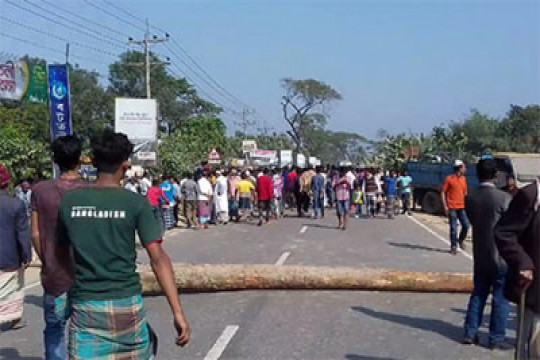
{"type": "Point", "coordinates": [400, 65]}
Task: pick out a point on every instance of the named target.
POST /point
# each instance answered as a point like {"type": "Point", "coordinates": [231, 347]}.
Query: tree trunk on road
{"type": "Point", "coordinates": [202, 278]}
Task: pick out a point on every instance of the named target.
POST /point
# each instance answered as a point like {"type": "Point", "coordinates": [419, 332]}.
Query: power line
{"type": "Point", "coordinates": [199, 89]}
{"type": "Point", "coordinates": [76, 23]}
{"type": "Point", "coordinates": [52, 20]}
{"type": "Point", "coordinates": [146, 42]}
{"type": "Point", "coordinates": [41, 46]}
{"type": "Point", "coordinates": [118, 8]}
{"type": "Point", "coordinates": [212, 87]}
{"type": "Point", "coordinates": [234, 98]}
{"type": "Point", "coordinates": [105, 11]}
{"type": "Point", "coordinates": [100, 25]}
{"type": "Point", "coordinates": [39, 31]}
{"type": "Point", "coordinates": [214, 84]}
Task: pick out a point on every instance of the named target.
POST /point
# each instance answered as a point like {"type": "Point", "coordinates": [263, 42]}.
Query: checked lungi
{"type": "Point", "coordinates": [109, 330]}
{"type": "Point", "coordinates": [168, 217]}
{"type": "Point", "coordinates": [11, 295]}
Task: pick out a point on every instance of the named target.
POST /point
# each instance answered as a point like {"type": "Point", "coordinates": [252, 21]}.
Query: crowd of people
{"type": "Point", "coordinates": [85, 237]}
{"type": "Point", "coordinates": [218, 196]}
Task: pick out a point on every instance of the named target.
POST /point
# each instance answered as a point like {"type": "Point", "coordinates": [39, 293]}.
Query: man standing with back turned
{"type": "Point", "coordinates": [484, 208]}
{"type": "Point", "coordinates": [98, 223]}
{"type": "Point", "coordinates": [517, 236]}
{"type": "Point", "coordinates": [453, 195]}
{"type": "Point", "coordinates": [57, 270]}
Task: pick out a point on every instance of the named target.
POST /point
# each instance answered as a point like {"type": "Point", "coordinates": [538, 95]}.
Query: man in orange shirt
{"type": "Point", "coordinates": [454, 191]}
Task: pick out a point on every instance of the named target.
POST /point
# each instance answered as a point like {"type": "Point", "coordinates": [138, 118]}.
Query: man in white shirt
{"type": "Point", "coordinates": [204, 199]}
{"type": "Point", "coordinates": [131, 185]}
{"type": "Point", "coordinates": [145, 183]}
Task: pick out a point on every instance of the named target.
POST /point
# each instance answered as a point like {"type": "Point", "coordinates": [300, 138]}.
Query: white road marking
{"type": "Point", "coordinates": [303, 229]}
{"type": "Point", "coordinates": [221, 343]}
{"type": "Point", "coordinates": [425, 227]}
{"type": "Point", "coordinates": [28, 287]}
{"type": "Point", "coordinates": [283, 258]}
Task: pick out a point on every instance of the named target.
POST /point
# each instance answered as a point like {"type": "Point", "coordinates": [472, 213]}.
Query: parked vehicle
{"type": "Point", "coordinates": [428, 177]}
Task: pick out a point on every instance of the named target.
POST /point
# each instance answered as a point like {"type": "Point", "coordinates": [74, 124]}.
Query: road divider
{"type": "Point", "coordinates": [206, 278]}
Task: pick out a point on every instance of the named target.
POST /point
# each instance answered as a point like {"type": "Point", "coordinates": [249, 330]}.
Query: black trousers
{"type": "Point", "coordinates": [302, 202]}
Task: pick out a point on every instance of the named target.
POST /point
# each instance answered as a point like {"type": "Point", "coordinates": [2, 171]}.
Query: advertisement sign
{"type": "Point", "coordinates": [137, 118]}
{"type": "Point", "coordinates": [267, 154]}
{"type": "Point", "coordinates": [249, 146]}
{"type": "Point", "coordinates": [59, 105]}
{"type": "Point", "coordinates": [20, 81]}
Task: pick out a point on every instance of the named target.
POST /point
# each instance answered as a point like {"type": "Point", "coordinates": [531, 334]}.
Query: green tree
{"type": "Point", "coordinates": [92, 107]}
{"type": "Point", "coordinates": [25, 156]}
{"type": "Point", "coordinates": [520, 129]}
{"type": "Point", "coordinates": [480, 130]}
{"type": "Point", "coordinates": [190, 144]}
{"type": "Point", "coordinates": [304, 108]}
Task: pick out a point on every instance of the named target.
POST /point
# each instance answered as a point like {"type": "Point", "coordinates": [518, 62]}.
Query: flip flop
{"type": "Point", "coordinates": [18, 325]}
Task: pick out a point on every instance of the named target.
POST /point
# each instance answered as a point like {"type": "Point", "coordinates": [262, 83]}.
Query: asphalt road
{"type": "Point", "coordinates": [350, 325]}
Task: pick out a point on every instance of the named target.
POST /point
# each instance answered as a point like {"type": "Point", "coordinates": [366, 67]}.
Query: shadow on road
{"type": "Point", "coordinates": [417, 247]}
{"type": "Point", "coordinates": [34, 300]}
{"type": "Point", "coordinates": [13, 354]}
{"type": "Point", "coordinates": [443, 328]}
{"type": "Point", "coordinates": [366, 357]}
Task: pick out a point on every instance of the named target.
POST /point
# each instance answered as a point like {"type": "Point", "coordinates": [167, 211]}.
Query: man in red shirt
{"type": "Point", "coordinates": [157, 199]}
{"type": "Point", "coordinates": [291, 179]}
{"type": "Point", "coordinates": [264, 194]}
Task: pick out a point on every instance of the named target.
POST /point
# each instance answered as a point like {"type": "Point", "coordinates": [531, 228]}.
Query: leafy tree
{"type": "Point", "coordinates": [304, 108]}
{"type": "Point", "coordinates": [333, 147]}
{"type": "Point", "coordinates": [92, 107]}
{"type": "Point", "coordinates": [25, 156]}
{"type": "Point", "coordinates": [190, 144]}
{"type": "Point", "coordinates": [481, 132]}
{"type": "Point", "coordinates": [520, 130]}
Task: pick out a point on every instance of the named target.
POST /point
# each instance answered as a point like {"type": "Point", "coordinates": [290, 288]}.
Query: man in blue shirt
{"type": "Point", "coordinates": [168, 210]}
{"type": "Point", "coordinates": [390, 191]}
{"type": "Point", "coordinates": [405, 187]}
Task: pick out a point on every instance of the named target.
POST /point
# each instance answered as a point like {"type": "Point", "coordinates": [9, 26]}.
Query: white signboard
{"type": "Point", "coordinates": [286, 157]}
{"type": "Point", "coordinates": [137, 118]}
{"type": "Point", "coordinates": [146, 155]}
{"type": "Point", "coordinates": [248, 146]}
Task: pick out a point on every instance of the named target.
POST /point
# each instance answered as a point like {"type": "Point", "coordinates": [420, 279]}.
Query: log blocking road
{"type": "Point", "coordinates": [350, 325]}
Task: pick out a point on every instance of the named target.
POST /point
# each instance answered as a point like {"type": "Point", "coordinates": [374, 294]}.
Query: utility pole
{"type": "Point", "coordinates": [146, 42]}
{"type": "Point", "coordinates": [67, 53]}
{"type": "Point", "coordinates": [245, 123]}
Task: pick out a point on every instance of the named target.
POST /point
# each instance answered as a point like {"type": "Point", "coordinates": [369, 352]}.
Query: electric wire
{"type": "Point", "coordinates": [52, 20]}
{"type": "Point", "coordinates": [93, 22]}
{"type": "Point", "coordinates": [82, 26]}
{"type": "Point", "coordinates": [57, 37]}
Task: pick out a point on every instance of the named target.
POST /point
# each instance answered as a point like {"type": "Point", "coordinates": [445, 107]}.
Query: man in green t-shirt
{"type": "Point", "coordinates": [99, 224]}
